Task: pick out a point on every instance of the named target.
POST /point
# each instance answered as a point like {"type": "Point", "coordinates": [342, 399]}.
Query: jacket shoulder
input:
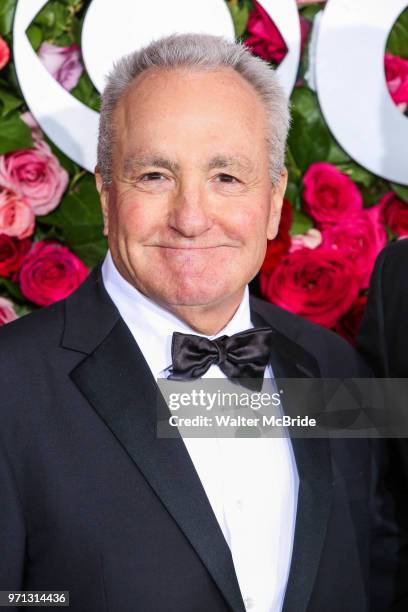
{"type": "Point", "coordinates": [34, 331]}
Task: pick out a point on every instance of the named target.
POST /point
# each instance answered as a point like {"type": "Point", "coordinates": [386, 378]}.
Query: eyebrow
{"type": "Point", "coordinates": [138, 162]}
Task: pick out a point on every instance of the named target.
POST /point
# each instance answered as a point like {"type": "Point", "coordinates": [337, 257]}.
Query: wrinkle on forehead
{"type": "Point", "coordinates": [149, 89]}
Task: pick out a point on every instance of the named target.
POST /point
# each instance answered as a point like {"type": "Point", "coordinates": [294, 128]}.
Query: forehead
{"type": "Point", "coordinates": [164, 96]}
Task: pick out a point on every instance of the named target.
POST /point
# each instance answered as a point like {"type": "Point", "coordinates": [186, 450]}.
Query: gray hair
{"type": "Point", "coordinates": [197, 51]}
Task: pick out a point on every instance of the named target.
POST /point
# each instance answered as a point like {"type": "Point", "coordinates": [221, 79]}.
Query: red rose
{"type": "Point", "coordinates": [396, 74]}
{"type": "Point", "coordinates": [349, 324]}
{"type": "Point", "coordinates": [12, 252]}
{"type": "Point", "coordinates": [395, 213]}
{"type": "Point", "coordinates": [264, 38]}
{"type": "Point", "coordinates": [318, 284]}
{"type": "Point", "coordinates": [50, 272]}
{"type": "Point", "coordinates": [4, 53]}
{"type": "Point", "coordinates": [360, 239]}
{"type": "Point", "coordinates": [7, 312]}
{"type": "Point", "coordinates": [329, 195]}
{"type": "Point", "coordinates": [277, 247]}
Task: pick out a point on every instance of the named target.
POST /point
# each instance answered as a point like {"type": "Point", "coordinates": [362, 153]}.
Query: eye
{"type": "Point", "coordinates": [151, 176]}
{"type": "Point", "coordinates": [227, 178]}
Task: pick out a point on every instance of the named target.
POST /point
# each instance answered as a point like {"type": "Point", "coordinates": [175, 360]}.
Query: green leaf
{"type": "Point", "coordinates": [35, 36]}
{"type": "Point", "coordinates": [53, 20]}
{"type": "Point", "coordinates": [337, 155]}
{"type": "Point", "coordinates": [23, 309]}
{"type": "Point", "coordinates": [309, 12]}
{"type": "Point", "coordinates": [12, 288]}
{"type": "Point", "coordinates": [91, 253]}
{"type": "Point", "coordinates": [309, 138]}
{"type": "Point", "coordinates": [7, 8]}
{"type": "Point", "coordinates": [357, 173]}
{"type": "Point", "coordinates": [293, 194]}
{"type": "Point", "coordinates": [78, 221]}
{"type": "Point", "coordinates": [76, 31]}
{"type": "Point", "coordinates": [47, 232]}
{"type": "Point", "coordinates": [14, 134]}
{"type": "Point", "coordinates": [65, 162]}
{"type": "Point", "coordinates": [373, 193]}
{"type": "Point", "coordinates": [390, 234]}
{"type": "Point", "coordinates": [239, 13]}
{"type": "Point", "coordinates": [8, 102]}
{"type": "Point", "coordinates": [12, 83]}
{"type": "Point", "coordinates": [400, 190]}
{"type": "Point", "coordinates": [301, 223]}
{"type": "Point", "coordinates": [294, 172]}
{"type": "Point", "coordinates": [86, 92]}
{"type": "Point", "coordinates": [88, 242]}
{"type": "Point", "coordinates": [398, 40]}
{"type": "Point", "coordinates": [78, 207]}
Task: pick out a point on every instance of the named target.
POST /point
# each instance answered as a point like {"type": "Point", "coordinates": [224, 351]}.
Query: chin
{"type": "Point", "coordinates": [193, 294]}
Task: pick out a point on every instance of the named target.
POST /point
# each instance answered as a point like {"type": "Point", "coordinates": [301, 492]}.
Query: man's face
{"type": "Point", "coordinates": [191, 203]}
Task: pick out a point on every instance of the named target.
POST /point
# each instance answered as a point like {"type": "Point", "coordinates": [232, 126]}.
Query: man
{"type": "Point", "coordinates": [382, 341]}
{"type": "Point", "coordinates": [383, 334]}
{"type": "Point", "coordinates": [191, 180]}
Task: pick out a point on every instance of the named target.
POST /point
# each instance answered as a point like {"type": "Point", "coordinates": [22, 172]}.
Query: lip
{"type": "Point", "coordinates": [204, 248]}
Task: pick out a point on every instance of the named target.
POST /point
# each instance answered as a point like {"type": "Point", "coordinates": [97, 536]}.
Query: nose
{"type": "Point", "coordinates": [190, 214]}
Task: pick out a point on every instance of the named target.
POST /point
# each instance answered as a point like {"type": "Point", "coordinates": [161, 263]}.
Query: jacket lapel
{"type": "Point", "coordinates": [117, 382]}
{"type": "Point", "coordinates": [290, 360]}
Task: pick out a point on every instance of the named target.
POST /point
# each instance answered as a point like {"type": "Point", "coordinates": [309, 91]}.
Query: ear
{"type": "Point", "coordinates": [276, 203]}
{"type": "Point", "coordinates": [104, 199]}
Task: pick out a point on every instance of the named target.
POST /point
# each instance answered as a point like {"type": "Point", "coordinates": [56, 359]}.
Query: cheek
{"type": "Point", "coordinates": [138, 219]}
{"type": "Point", "coordinates": [252, 223]}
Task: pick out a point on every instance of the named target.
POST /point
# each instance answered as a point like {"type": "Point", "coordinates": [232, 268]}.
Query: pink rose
{"type": "Point", "coordinates": [63, 63]}
{"type": "Point", "coordinates": [12, 253]}
{"type": "Point", "coordinates": [396, 74]}
{"type": "Point", "coordinates": [359, 239]}
{"type": "Point", "coordinates": [264, 38]}
{"type": "Point", "coordinates": [395, 213]}
{"type": "Point", "coordinates": [7, 312]}
{"type": "Point", "coordinates": [35, 174]}
{"type": "Point", "coordinates": [16, 215]}
{"type": "Point", "coordinates": [50, 272]}
{"type": "Point", "coordinates": [311, 240]}
{"type": "Point", "coordinates": [4, 53]}
{"type": "Point", "coordinates": [318, 284]}
{"type": "Point", "coordinates": [349, 324]}
{"type": "Point", "coordinates": [329, 195]}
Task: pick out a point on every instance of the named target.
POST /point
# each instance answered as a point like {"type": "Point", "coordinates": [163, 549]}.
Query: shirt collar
{"type": "Point", "coordinates": [151, 325]}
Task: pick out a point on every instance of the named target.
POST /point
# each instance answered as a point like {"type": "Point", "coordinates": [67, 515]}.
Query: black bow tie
{"type": "Point", "coordinates": [243, 355]}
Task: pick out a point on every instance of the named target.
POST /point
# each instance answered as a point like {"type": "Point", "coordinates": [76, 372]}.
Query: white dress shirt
{"type": "Point", "coordinates": [251, 483]}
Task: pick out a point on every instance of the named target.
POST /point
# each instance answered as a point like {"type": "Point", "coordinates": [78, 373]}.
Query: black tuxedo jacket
{"type": "Point", "coordinates": [383, 336]}
{"type": "Point", "coordinates": [383, 340]}
{"type": "Point", "coordinates": [94, 503]}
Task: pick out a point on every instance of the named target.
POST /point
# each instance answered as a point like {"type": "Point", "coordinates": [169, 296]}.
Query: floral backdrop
{"type": "Point", "coordinates": [337, 216]}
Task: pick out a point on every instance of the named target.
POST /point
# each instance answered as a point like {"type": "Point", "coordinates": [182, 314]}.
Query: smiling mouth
{"type": "Point", "coordinates": [188, 248]}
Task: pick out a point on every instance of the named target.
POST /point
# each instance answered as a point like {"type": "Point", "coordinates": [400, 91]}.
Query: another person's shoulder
{"type": "Point", "coordinates": [393, 259]}
{"type": "Point", "coordinates": [336, 357]}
